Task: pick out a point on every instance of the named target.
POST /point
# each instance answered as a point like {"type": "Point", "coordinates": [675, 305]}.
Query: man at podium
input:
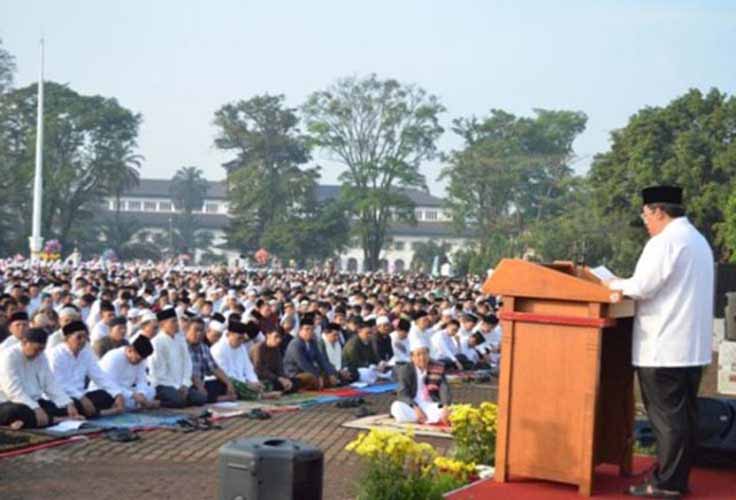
{"type": "Point", "coordinates": [673, 289]}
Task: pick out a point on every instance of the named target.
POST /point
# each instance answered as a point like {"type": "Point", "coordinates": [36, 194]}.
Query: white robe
{"type": "Point", "coordinates": [129, 378]}
{"type": "Point", "coordinates": [25, 381]}
{"type": "Point", "coordinates": [234, 362]}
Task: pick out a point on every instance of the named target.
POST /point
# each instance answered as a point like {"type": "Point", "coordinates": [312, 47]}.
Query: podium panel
{"type": "Point", "coordinates": [566, 384]}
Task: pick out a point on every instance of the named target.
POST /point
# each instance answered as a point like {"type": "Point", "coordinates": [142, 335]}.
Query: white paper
{"type": "Point", "coordinates": [226, 405]}
{"type": "Point", "coordinates": [359, 385]}
{"type": "Point", "coordinates": [603, 273]}
{"type": "Point", "coordinates": [66, 426]}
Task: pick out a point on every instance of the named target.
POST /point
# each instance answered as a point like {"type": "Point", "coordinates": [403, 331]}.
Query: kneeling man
{"type": "Point", "coordinates": [124, 366]}
{"type": "Point", "coordinates": [423, 394]}
{"type": "Point", "coordinates": [72, 363]}
{"type": "Point", "coordinates": [25, 379]}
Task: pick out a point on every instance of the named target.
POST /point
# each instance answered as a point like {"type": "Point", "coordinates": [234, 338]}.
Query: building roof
{"type": "Point", "coordinates": [217, 190]}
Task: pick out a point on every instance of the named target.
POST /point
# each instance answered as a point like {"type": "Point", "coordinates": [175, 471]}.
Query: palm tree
{"type": "Point", "coordinates": [188, 189]}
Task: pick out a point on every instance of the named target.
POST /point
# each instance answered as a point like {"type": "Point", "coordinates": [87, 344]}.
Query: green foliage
{"type": "Point", "coordinates": [382, 131]}
{"type": "Point", "coordinates": [729, 226]}
{"type": "Point", "coordinates": [268, 190]}
{"type": "Point", "coordinates": [690, 142]}
{"type": "Point", "coordinates": [512, 173]}
{"type": "Point", "coordinates": [188, 189]}
{"type": "Point", "coordinates": [384, 481]}
{"type": "Point", "coordinates": [425, 253]}
{"type": "Point", "coordinates": [88, 141]}
{"type": "Point", "coordinates": [7, 68]}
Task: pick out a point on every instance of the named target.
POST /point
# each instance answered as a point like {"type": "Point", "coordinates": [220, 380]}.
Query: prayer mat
{"type": "Point", "coordinates": [380, 388]}
{"type": "Point", "coordinates": [149, 419]}
{"type": "Point", "coordinates": [15, 440]}
{"type": "Point", "coordinates": [387, 422]}
{"type": "Point", "coordinates": [230, 409]}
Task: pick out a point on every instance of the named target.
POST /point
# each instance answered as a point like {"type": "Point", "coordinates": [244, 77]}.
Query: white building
{"type": "Point", "coordinates": [150, 203]}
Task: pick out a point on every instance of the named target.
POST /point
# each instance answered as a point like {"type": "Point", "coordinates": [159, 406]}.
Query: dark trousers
{"type": "Point", "coordinates": [11, 412]}
{"type": "Point", "coordinates": [215, 389]}
{"type": "Point", "coordinates": [670, 398]}
{"type": "Point", "coordinates": [170, 397]}
{"type": "Point", "coordinates": [99, 398]}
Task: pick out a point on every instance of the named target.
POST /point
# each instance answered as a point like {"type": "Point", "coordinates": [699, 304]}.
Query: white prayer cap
{"type": "Point", "coordinates": [216, 326]}
{"type": "Point", "coordinates": [447, 312]}
{"type": "Point", "coordinates": [231, 293]}
{"type": "Point", "coordinates": [383, 320]}
{"type": "Point", "coordinates": [147, 316]}
{"type": "Point", "coordinates": [69, 312]}
{"type": "Point", "coordinates": [134, 313]}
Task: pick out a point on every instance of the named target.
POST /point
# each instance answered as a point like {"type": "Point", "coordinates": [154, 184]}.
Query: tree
{"type": "Point", "coordinates": [7, 69]}
{"type": "Point", "coordinates": [512, 173]}
{"type": "Point", "coordinates": [425, 254]}
{"type": "Point", "coordinates": [267, 188]}
{"type": "Point", "coordinates": [188, 191]}
{"type": "Point", "coordinates": [381, 131]}
{"type": "Point", "coordinates": [85, 141]}
{"type": "Point", "coordinates": [690, 142]}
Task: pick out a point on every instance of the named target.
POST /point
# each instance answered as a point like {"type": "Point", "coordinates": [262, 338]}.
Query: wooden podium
{"type": "Point", "coordinates": [566, 401]}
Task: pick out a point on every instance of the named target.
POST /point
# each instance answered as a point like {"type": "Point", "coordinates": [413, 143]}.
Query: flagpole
{"type": "Point", "coordinates": [36, 241]}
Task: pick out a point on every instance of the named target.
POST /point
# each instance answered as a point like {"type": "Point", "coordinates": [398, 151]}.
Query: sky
{"type": "Point", "coordinates": [177, 62]}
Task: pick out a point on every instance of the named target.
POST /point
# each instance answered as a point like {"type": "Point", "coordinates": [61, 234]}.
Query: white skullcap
{"type": "Point", "coordinates": [69, 312]}
{"type": "Point", "coordinates": [216, 326]}
{"type": "Point", "coordinates": [447, 312]}
{"type": "Point", "coordinates": [133, 313]}
{"type": "Point", "coordinates": [147, 316]}
{"type": "Point", "coordinates": [383, 320]}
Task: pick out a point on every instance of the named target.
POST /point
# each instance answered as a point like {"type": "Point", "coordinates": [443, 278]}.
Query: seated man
{"type": "Point", "coordinates": [67, 314]}
{"type": "Point", "coordinates": [359, 357]}
{"type": "Point", "coordinates": [125, 367]}
{"type": "Point", "coordinates": [269, 365]}
{"type": "Point", "coordinates": [207, 377]}
{"type": "Point", "coordinates": [115, 337]}
{"type": "Point", "coordinates": [381, 341]}
{"type": "Point", "coordinates": [331, 349]}
{"type": "Point", "coordinates": [73, 363]}
{"type": "Point", "coordinates": [170, 366]}
{"type": "Point", "coordinates": [423, 394]}
{"type": "Point", "coordinates": [400, 343]}
{"type": "Point", "coordinates": [102, 327]}
{"type": "Point", "coordinates": [17, 327]}
{"type": "Point", "coordinates": [25, 379]}
{"type": "Point", "coordinates": [446, 347]}
{"type": "Point", "coordinates": [305, 362]}
{"type": "Point", "coordinates": [215, 328]}
{"type": "Point", "coordinates": [231, 355]}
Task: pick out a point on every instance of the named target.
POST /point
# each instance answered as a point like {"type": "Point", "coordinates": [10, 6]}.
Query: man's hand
{"type": "Point", "coordinates": [421, 417]}
{"type": "Point", "coordinates": [285, 383]}
{"type": "Point", "coordinates": [320, 383]}
{"type": "Point", "coordinates": [119, 405]}
{"type": "Point", "coordinates": [42, 418]}
{"type": "Point", "coordinates": [88, 408]}
{"type": "Point", "coordinates": [71, 411]}
{"type": "Point", "coordinates": [231, 393]}
{"type": "Point", "coordinates": [459, 365]}
{"type": "Point", "coordinates": [333, 380]}
{"type": "Point", "coordinates": [183, 392]}
{"type": "Point", "coordinates": [445, 416]}
{"type": "Point", "coordinates": [140, 400]}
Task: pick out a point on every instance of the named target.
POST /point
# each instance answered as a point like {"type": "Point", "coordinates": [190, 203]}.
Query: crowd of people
{"type": "Point", "coordinates": [87, 341]}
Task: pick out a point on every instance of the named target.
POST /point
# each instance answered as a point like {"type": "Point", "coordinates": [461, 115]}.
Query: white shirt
{"type": "Point", "coordinates": [400, 348]}
{"type": "Point", "coordinates": [673, 289]}
{"type": "Point", "coordinates": [334, 353]}
{"type": "Point", "coordinates": [10, 341]}
{"type": "Point", "coordinates": [71, 371]}
{"type": "Point", "coordinates": [25, 381]}
{"type": "Point", "coordinates": [419, 336]}
{"type": "Point", "coordinates": [54, 339]}
{"type": "Point", "coordinates": [170, 363]}
{"type": "Point", "coordinates": [444, 346]}
{"type": "Point", "coordinates": [99, 331]}
{"type": "Point", "coordinates": [234, 362]}
{"type": "Point", "coordinates": [130, 378]}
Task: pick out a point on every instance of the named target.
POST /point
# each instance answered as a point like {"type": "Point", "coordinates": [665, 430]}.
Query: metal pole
{"type": "Point", "coordinates": [36, 241]}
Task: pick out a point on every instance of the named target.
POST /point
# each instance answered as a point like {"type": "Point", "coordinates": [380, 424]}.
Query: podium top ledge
{"type": "Point", "coordinates": [559, 280]}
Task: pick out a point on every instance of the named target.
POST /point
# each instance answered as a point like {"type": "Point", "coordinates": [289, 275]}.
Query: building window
{"type": "Point", "coordinates": [211, 208]}
{"type": "Point", "coordinates": [134, 206]}
{"type": "Point", "coordinates": [149, 206]}
{"type": "Point", "coordinates": [399, 245]}
{"type": "Point", "coordinates": [164, 206]}
{"type": "Point", "coordinates": [416, 245]}
{"type": "Point", "coordinates": [430, 215]}
{"type": "Point", "coordinates": [418, 214]}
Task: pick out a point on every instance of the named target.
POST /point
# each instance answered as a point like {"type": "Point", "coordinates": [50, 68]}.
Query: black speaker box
{"type": "Point", "coordinates": [270, 468]}
{"type": "Point", "coordinates": [716, 432]}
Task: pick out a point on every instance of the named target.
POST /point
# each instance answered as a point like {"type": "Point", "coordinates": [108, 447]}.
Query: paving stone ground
{"type": "Point", "coordinates": [170, 465]}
